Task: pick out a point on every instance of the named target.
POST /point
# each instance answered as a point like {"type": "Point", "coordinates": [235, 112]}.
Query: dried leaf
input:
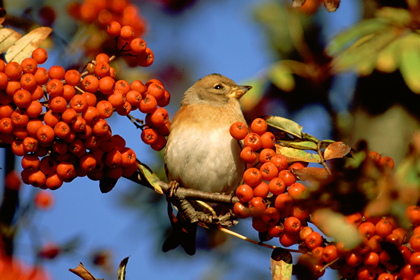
{"type": "Point", "coordinates": [336, 150]}
{"type": "Point", "coordinates": [7, 38]}
{"type": "Point", "coordinates": [334, 225]}
{"type": "Point", "coordinates": [83, 273]}
{"type": "Point", "coordinates": [151, 177]}
{"type": "Point", "coordinates": [122, 269]}
{"type": "Point", "coordinates": [293, 155]}
{"type": "Point", "coordinates": [285, 125]}
{"type": "Point", "coordinates": [281, 263]}
{"type": "Point", "coordinates": [331, 5]}
{"type": "Point", "coordinates": [24, 46]}
{"type": "Point", "coordinates": [311, 174]}
{"type": "Point", "coordinates": [298, 3]}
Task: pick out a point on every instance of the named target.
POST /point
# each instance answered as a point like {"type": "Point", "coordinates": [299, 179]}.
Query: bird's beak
{"type": "Point", "coordinates": [239, 91]}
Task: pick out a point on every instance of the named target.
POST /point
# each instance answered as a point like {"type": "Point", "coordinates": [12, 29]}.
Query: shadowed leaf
{"type": "Point", "coordinates": [281, 263]}
{"type": "Point", "coordinates": [311, 173]}
{"type": "Point", "coordinates": [23, 47]}
{"type": "Point", "coordinates": [122, 269]}
{"type": "Point", "coordinates": [410, 61]}
{"type": "Point", "coordinates": [285, 125]}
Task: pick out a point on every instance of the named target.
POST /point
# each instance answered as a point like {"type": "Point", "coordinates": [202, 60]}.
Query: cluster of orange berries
{"type": "Point", "coordinates": [103, 12]}
{"type": "Point", "coordinates": [56, 119]}
{"type": "Point", "coordinates": [270, 195]}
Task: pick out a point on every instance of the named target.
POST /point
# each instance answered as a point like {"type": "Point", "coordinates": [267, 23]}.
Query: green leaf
{"type": "Point", "coordinates": [394, 16]}
{"type": "Point", "coordinates": [151, 177]}
{"type": "Point", "coordinates": [334, 225]}
{"type": "Point", "coordinates": [348, 37]}
{"type": "Point", "coordinates": [23, 47]}
{"type": "Point", "coordinates": [388, 59]}
{"type": "Point", "coordinates": [293, 155]}
{"type": "Point", "coordinates": [7, 38]}
{"type": "Point", "coordinates": [285, 125]}
{"type": "Point", "coordinates": [281, 76]}
{"type": "Point", "coordinates": [362, 55]}
{"type": "Point", "coordinates": [410, 61]}
{"type": "Point", "coordinates": [301, 145]}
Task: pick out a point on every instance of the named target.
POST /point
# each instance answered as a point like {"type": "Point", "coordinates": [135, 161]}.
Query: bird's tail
{"type": "Point", "coordinates": [182, 233]}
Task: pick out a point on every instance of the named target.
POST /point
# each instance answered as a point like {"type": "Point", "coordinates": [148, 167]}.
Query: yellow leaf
{"type": "Point", "coordinates": [7, 38]}
{"type": "Point", "coordinates": [410, 61]}
{"type": "Point", "coordinates": [281, 76]}
{"type": "Point", "coordinates": [23, 47]}
{"type": "Point", "coordinates": [281, 264]}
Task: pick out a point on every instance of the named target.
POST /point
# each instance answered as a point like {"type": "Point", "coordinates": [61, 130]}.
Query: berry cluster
{"type": "Point", "coordinates": [103, 12]}
{"type": "Point", "coordinates": [272, 197]}
{"type": "Point", "coordinates": [56, 119]}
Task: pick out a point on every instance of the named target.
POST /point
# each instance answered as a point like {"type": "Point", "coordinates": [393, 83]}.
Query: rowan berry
{"type": "Point", "coordinates": [284, 203]}
{"type": "Point", "coordinates": [22, 98]}
{"type": "Point", "coordinates": [159, 144]}
{"type": "Point", "coordinates": [276, 186]}
{"type": "Point", "coordinates": [252, 177]}
{"type": "Point", "coordinates": [34, 109]}
{"type": "Point", "coordinates": [138, 86]}
{"type": "Point", "coordinates": [37, 178]}
{"type": "Point", "coordinates": [62, 129]}
{"type": "Point", "coordinates": [266, 155]}
{"type": "Point", "coordinates": [253, 140]}
{"type": "Point", "coordinates": [297, 191]}
{"type": "Point", "coordinates": [288, 239]}
{"type": "Point", "coordinates": [257, 206]}
{"type": "Point", "coordinates": [164, 101]}
{"type": "Point", "coordinates": [66, 171]}
{"type": "Point", "coordinates": [79, 124]}
{"type": "Point", "coordinates": [371, 259]}
{"type": "Point", "coordinates": [287, 176]}
{"type": "Point", "coordinates": [268, 140]}
{"type": "Point", "coordinates": [32, 126]}
{"type": "Point", "coordinates": [413, 214]}
{"type": "Point", "coordinates": [18, 148]}
{"type": "Point", "coordinates": [148, 104]}
{"type": "Point", "coordinates": [117, 99]}
{"type": "Point", "coordinates": [268, 171]}
{"type": "Point", "coordinates": [28, 82]}
{"type": "Point", "coordinates": [12, 87]}
{"type": "Point", "coordinates": [13, 70]}
{"type": "Point", "coordinates": [300, 212]}
{"type": "Point", "coordinates": [280, 161]}
{"type": "Point", "coordinates": [29, 65]}
{"type": "Point", "coordinates": [146, 58]}
{"type": "Point", "coordinates": [56, 72]}
{"type": "Point", "coordinates": [45, 134]}
{"type": "Point", "coordinates": [48, 165]}
{"type": "Point", "coordinates": [258, 224]}
{"type": "Point", "coordinates": [106, 85]}
{"type": "Point", "coordinates": [87, 163]}
{"type": "Point", "coordinates": [128, 158]}
{"type": "Point", "coordinates": [156, 90]}
{"type": "Point", "coordinates": [366, 229]}
{"type": "Point", "coordinates": [259, 126]}
{"type": "Point", "coordinates": [159, 117]}
{"type": "Point", "coordinates": [72, 77]}
{"type": "Point", "coordinates": [3, 80]}
{"type": "Point", "coordinates": [271, 216]}
{"type": "Point", "coordinates": [134, 97]}
{"type": "Point", "coordinates": [276, 230]}
{"type": "Point", "coordinates": [101, 128]}
{"type": "Point", "coordinates": [383, 228]}
{"type": "Point", "coordinates": [40, 55]}
{"type": "Point", "coordinates": [30, 162]}
{"type": "Point", "coordinates": [261, 190]}
{"type": "Point", "coordinates": [55, 88]}
{"type": "Point", "coordinates": [137, 46]}
{"type": "Point", "coordinates": [241, 211]}
{"type": "Point", "coordinates": [353, 259]}
{"type": "Point", "coordinates": [19, 118]}
{"type": "Point", "coordinates": [90, 83]}
{"type": "Point", "coordinates": [386, 163]}
{"type": "Point", "coordinates": [78, 103]}
{"type": "Point", "coordinates": [127, 33]}
{"type": "Point", "coordinates": [248, 155]}
{"type": "Point", "coordinates": [57, 104]}
{"type": "Point", "coordinates": [312, 240]}
{"type": "Point", "coordinates": [102, 69]}
{"type": "Point", "coordinates": [29, 144]}
{"type": "Point", "coordinates": [41, 76]}
{"type": "Point", "coordinates": [38, 93]}
{"type": "Point", "coordinates": [44, 199]}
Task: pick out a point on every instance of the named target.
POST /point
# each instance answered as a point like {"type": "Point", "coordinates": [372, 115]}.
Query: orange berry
{"type": "Point", "coordinates": [13, 70]}
{"type": "Point", "coordinates": [68, 92]}
{"type": "Point", "coordinates": [55, 88]}
{"type": "Point", "coordinates": [22, 98]}
{"type": "Point", "coordinates": [101, 128]}
{"type": "Point", "coordinates": [29, 65]}
{"type": "Point", "coordinates": [128, 158]}
{"type": "Point", "coordinates": [19, 118]}
{"type": "Point", "coordinates": [149, 136]}
{"type": "Point", "coordinates": [106, 85]}
{"type": "Point", "coordinates": [259, 126]}
{"type": "Point", "coordinates": [146, 58]}
{"type": "Point", "coordinates": [90, 83]}
{"type": "Point", "coordinates": [159, 144]}
{"type": "Point", "coordinates": [252, 176]}
{"type": "Point", "coordinates": [113, 28]}
{"type": "Point", "coordinates": [37, 178]}
{"type": "Point", "coordinates": [159, 117]}
{"type": "Point", "coordinates": [41, 75]}
{"type": "Point", "coordinates": [45, 134]}
{"type": "Point", "coordinates": [34, 109]}
{"type": "Point", "coordinates": [268, 171]}
{"type": "Point", "coordinates": [66, 171]}
{"type": "Point", "coordinates": [268, 140]}
{"type": "Point", "coordinates": [44, 199]}
{"type": "Point", "coordinates": [28, 81]}
{"type": "Point", "coordinates": [105, 109]}
{"type": "Point", "coordinates": [133, 97]}
{"type": "Point", "coordinates": [56, 72]}
{"type": "Point", "coordinates": [78, 103]}
{"type": "Point", "coordinates": [57, 104]}
{"type": "Point", "coordinates": [40, 55]}
{"type": "Point", "coordinates": [48, 165]}
{"type": "Point", "coordinates": [266, 155]}
{"type": "Point", "coordinates": [148, 104]}
{"type": "Point", "coordinates": [102, 69]}
{"type": "Point", "coordinates": [72, 77]}
{"type": "Point", "coordinates": [253, 140]}
{"type": "Point", "coordinates": [137, 46]}
{"type": "Point", "coordinates": [127, 33]}
{"type": "Point", "coordinates": [30, 162]}
{"type": "Point", "coordinates": [248, 155]}
{"type": "Point", "coordinates": [238, 130]}
{"type": "Point", "coordinates": [296, 191]}
{"type": "Point", "coordinates": [276, 186]}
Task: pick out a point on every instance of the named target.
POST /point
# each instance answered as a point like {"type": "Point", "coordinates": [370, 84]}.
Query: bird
{"type": "Point", "coordinates": [200, 152]}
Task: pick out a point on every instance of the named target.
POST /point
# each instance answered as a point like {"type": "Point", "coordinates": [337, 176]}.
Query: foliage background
{"type": "Point", "coordinates": [242, 40]}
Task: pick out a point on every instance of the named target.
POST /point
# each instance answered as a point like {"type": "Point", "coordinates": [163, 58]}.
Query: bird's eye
{"type": "Point", "coordinates": [218, 86]}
